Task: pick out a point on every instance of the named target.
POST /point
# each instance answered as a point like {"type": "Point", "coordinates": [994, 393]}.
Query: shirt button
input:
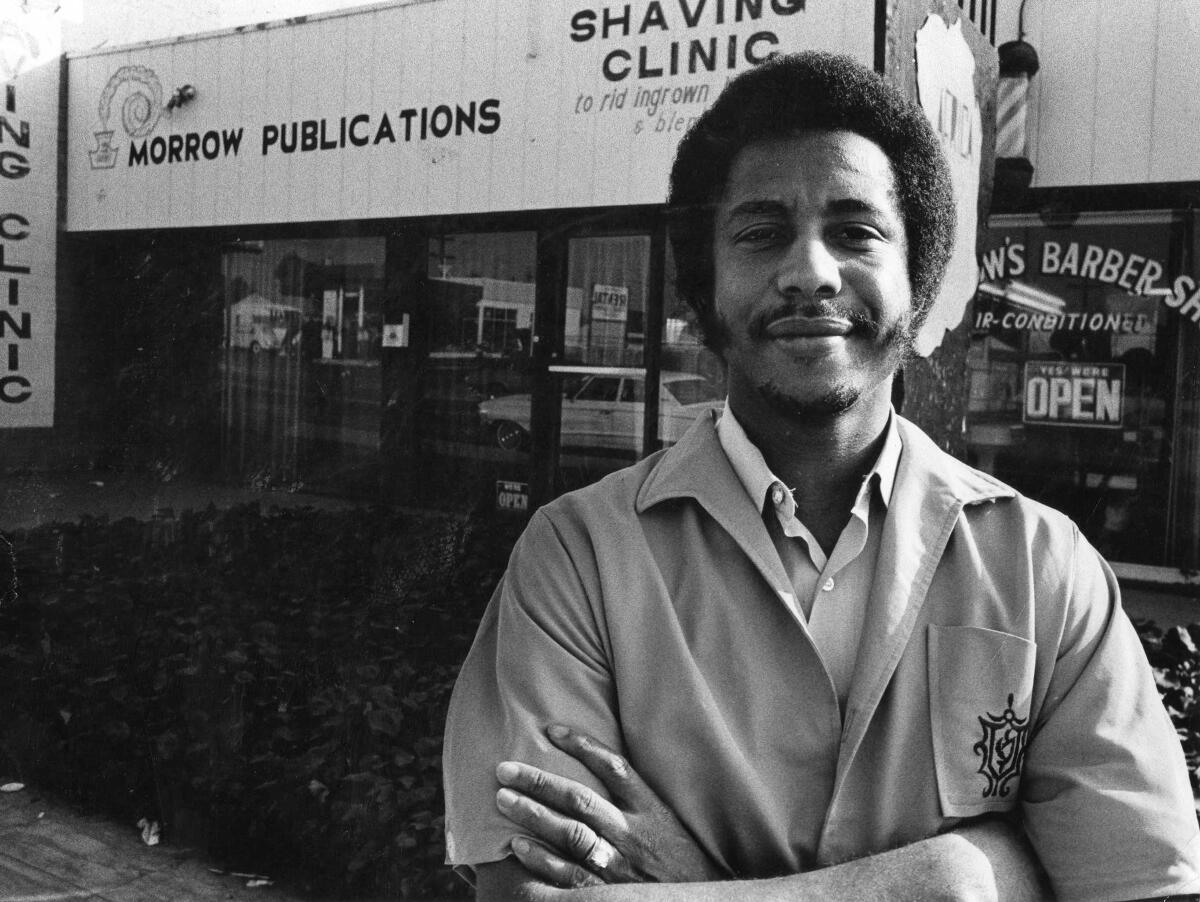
{"type": "Point", "coordinates": [777, 495]}
{"type": "Point", "coordinates": [827, 586]}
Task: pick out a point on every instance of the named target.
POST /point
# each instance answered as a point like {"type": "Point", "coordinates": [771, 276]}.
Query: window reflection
{"type": "Point", "coordinates": [1070, 370]}
{"type": "Point", "coordinates": [475, 352]}
{"type": "Point", "coordinates": [300, 373]}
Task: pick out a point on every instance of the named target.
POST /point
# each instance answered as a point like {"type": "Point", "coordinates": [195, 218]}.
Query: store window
{"type": "Point", "coordinates": [300, 405]}
{"type": "Point", "coordinates": [692, 376]}
{"type": "Point", "coordinates": [474, 380]}
{"type": "Point", "coordinates": [1074, 375]}
{"type": "Point", "coordinates": [599, 377]}
{"type": "Point", "coordinates": [683, 351]}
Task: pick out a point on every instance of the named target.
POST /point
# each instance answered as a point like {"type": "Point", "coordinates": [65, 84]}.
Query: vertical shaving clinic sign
{"type": "Point", "coordinates": [29, 73]}
{"type": "Point", "coordinates": [442, 107]}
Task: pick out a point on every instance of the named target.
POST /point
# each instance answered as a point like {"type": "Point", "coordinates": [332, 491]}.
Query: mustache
{"type": "Point", "coordinates": [861, 322]}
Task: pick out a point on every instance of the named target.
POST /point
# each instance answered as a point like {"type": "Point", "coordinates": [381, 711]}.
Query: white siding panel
{"type": "Point", "coordinates": [363, 42]}
{"type": "Point", "coordinates": [183, 202]}
{"type": "Point", "coordinates": [542, 158]}
{"type": "Point", "coordinates": [482, 63]}
{"type": "Point", "coordinates": [1124, 111]}
{"type": "Point", "coordinates": [284, 108]}
{"type": "Point", "coordinates": [570, 162]}
{"type": "Point", "coordinates": [155, 181]}
{"type": "Point", "coordinates": [516, 63]}
{"type": "Point", "coordinates": [82, 86]}
{"type": "Point", "coordinates": [225, 198]}
{"type": "Point", "coordinates": [318, 69]}
{"type": "Point", "coordinates": [424, 39]}
{"type": "Point", "coordinates": [1066, 37]}
{"type": "Point", "coordinates": [1175, 154]}
{"type": "Point", "coordinates": [258, 92]}
{"type": "Point", "coordinates": [449, 156]}
{"type": "Point", "coordinates": [1117, 100]}
{"type": "Point", "coordinates": [153, 188]}
{"type": "Point", "coordinates": [851, 37]}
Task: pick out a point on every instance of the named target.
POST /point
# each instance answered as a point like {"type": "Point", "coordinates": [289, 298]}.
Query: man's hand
{"type": "Point", "coordinates": [585, 838]}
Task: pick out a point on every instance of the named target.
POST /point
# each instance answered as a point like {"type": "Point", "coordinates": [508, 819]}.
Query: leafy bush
{"type": "Point", "coordinates": [271, 688]}
{"type": "Point", "coordinates": [1175, 657]}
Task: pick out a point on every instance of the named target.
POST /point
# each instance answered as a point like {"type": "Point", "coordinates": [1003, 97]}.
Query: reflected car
{"type": "Point", "coordinates": [603, 410]}
{"type": "Point", "coordinates": [259, 324]}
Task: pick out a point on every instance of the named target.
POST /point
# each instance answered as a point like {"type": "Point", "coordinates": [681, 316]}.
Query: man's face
{"type": "Point", "coordinates": [810, 281]}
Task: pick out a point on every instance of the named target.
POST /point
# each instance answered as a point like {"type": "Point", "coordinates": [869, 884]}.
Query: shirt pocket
{"type": "Point", "coordinates": [980, 686]}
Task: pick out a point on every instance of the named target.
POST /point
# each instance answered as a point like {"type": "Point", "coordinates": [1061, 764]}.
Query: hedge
{"type": "Point", "coordinates": [1175, 657]}
{"type": "Point", "coordinates": [268, 687]}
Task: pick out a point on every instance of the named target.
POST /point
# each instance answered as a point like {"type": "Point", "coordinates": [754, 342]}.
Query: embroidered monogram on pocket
{"type": "Point", "coordinates": [1002, 749]}
{"type": "Point", "coordinates": [980, 688]}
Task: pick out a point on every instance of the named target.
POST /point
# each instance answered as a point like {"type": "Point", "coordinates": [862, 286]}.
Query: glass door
{"type": "Point", "coordinates": [473, 380]}
{"type": "Point", "coordinates": [601, 374]}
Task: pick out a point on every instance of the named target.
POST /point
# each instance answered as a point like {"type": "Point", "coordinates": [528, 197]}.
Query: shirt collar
{"type": "Point", "coordinates": [752, 470]}
{"type": "Point", "coordinates": [697, 468]}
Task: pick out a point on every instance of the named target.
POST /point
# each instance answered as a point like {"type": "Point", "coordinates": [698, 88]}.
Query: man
{"type": "Point", "coordinates": [803, 648]}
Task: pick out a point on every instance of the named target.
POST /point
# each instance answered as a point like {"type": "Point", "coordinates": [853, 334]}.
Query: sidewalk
{"type": "Point", "coordinates": [48, 852]}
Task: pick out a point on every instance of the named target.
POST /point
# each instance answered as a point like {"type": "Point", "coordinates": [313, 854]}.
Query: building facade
{"type": "Point", "coordinates": [417, 251]}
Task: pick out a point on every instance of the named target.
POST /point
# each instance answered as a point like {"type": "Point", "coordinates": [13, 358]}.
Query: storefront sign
{"type": "Point", "coordinates": [1115, 323]}
{"type": "Point", "coordinates": [442, 107]}
{"type": "Point", "coordinates": [946, 88]}
{"type": "Point", "coordinates": [29, 73]}
{"type": "Point", "coordinates": [610, 302]}
{"type": "Point", "coordinates": [1074, 394]}
{"type": "Point", "coordinates": [512, 496]}
{"type": "Point", "coordinates": [1136, 274]}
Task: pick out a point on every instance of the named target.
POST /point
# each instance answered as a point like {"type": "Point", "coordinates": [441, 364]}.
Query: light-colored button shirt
{"type": "Point", "coordinates": [831, 592]}
{"type": "Point", "coordinates": [644, 611]}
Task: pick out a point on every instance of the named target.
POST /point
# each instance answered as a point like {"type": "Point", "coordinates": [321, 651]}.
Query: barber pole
{"type": "Point", "coordinates": [1011, 139]}
{"type": "Point", "coordinates": [1018, 64]}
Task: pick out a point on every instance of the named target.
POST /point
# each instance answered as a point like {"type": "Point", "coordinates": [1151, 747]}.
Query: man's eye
{"type": "Point", "coordinates": [758, 234]}
{"type": "Point", "coordinates": [860, 233]}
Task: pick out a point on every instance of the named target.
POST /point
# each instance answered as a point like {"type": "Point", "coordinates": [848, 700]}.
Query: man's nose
{"type": "Point", "coordinates": [809, 270]}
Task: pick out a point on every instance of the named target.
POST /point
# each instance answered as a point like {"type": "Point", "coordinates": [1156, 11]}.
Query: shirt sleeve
{"type": "Point", "coordinates": [540, 657]}
{"type": "Point", "coordinates": [1106, 799]}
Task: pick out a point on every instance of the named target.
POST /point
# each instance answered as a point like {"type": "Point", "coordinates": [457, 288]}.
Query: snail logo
{"type": "Point", "coordinates": [140, 97]}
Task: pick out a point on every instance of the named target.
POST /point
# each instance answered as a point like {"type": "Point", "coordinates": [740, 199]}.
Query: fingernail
{"type": "Point", "coordinates": [520, 845]}
{"type": "Point", "coordinates": [558, 731]}
{"type": "Point", "coordinates": [506, 798]}
{"type": "Point", "coordinates": [506, 772]}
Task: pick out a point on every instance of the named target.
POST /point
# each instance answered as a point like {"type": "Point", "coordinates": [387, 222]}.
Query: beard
{"type": "Point", "coordinates": [831, 404]}
{"type": "Point", "coordinates": [896, 341]}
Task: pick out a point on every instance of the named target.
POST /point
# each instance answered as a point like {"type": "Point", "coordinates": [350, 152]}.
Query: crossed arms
{"type": "Point", "coordinates": [1104, 795]}
{"type": "Point", "coordinates": [646, 855]}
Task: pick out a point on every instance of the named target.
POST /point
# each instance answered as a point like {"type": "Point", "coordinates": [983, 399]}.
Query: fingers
{"type": "Point", "coordinates": [611, 769]}
{"type": "Point", "coordinates": [563, 795]}
{"type": "Point", "coordinates": [565, 836]}
{"type": "Point", "coordinates": [568, 835]}
{"type": "Point", "coordinates": [545, 864]}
